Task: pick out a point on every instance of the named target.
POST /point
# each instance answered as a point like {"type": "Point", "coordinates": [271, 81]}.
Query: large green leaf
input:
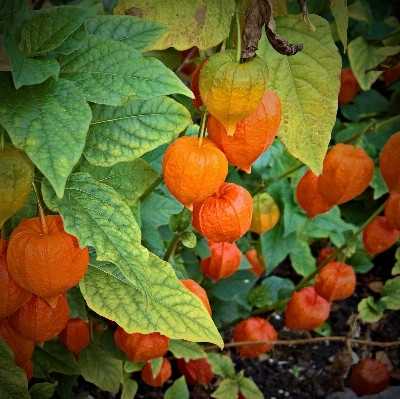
{"type": "Point", "coordinates": [129, 179]}
{"type": "Point", "coordinates": [95, 214]}
{"type": "Point", "coordinates": [13, 382]}
{"type": "Point", "coordinates": [185, 350]}
{"type": "Point", "coordinates": [76, 304]}
{"type": "Point", "coordinates": [42, 390]}
{"type": "Point", "coordinates": [172, 310]}
{"type": "Point", "coordinates": [249, 389]}
{"type": "Point", "coordinates": [129, 387]}
{"type": "Point", "coordinates": [14, 13]}
{"type": "Point", "coordinates": [27, 71]}
{"type": "Point", "coordinates": [201, 23]}
{"type": "Point", "coordinates": [178, 389]}
{"type": "Point", "coordinates": [362, 57]}
{"type": "Point", "coordinates": [391, 294]}
{"type": "Point", "coordinates": [118, 134]}
{"type": "Point", "coordinates": [341, 14]}
{"type": "Point", "coordinates": [227, 389]}
{"type": "Point", "coordinates": [100, 368]}
{"type": "Point", "coordinates": [113, 73]}
{"type": "Point", "coordinates": [49, 121]}
{"type": "Point", "coordinates": [221, 365]}
{"type": "Point", "coordinates": [308, 86]}
{"type": "Point", "coordinates": [53, 356]}
{"type": "Point", "coordinates": [300, 255]}
{"type": "Point", "coordinates": [48, 29]}
{"type": "Point", "coordinates": [136, 32]}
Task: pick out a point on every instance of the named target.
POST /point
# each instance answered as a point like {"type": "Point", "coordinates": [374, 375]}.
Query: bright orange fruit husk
{"type": "Point", "coordinates": [252, 136]}
{"type": "Point", "coordinates": [225, 216]}
{"type": "Point", "coordinates": [324, 253]}
{"type": "Point", "coordinates": [265, 213]}
{"type": "Point", "coordinates": [196, 371]}
{"type": "Point", "coordinates": [141, 347]}
{"type": "Point", "coordinates": [21, 346]}
{"type": "Point", "coordinates": [198, 290]}
{"type": "Point", "coordinates": [224, 261]}
{"type": "Point", "coordinates": [368, 377]}
{"type": "Point", "coordinates": [12, 296]}
{"type": "Point", "coordinates": [254, 329]}
{"type": "Point", "coordinates": [28, 368]}
{"type": "Point", "coordinates": [389, 163]}
{"type": "Point", "coordinates": [76, 335]}
{"type": "Point", "coordinates": [306, 310]}
{"type": "Point", "coordinates": [378, 236]}
{"type": "Point", "coordinates": [163, 375]}
{"type": "Point", "coordinates": [392, 211]}
{"type": "Point", "coordinates": [257, 267]}
{"type": "Point", "coordinates": [391, 75]}
{"type": "Point", "coordinates": [335, 281]}
{"type": "Point", "coordinates": [37, 321]}
{"type": "Point", "coordinates": [194, 86]}
{"type": "Point", "coordinates": [46, 264]}
{"type": "Point", "coordinates": [349, 86]}
{"type": "Point", "coordinates": [347, 171]}
{"type": "Point", "coordinates": [193, 173]}
{"type": "Point", "coordinates": [232, 91]}
{"type": "Point", "coordinates": [308, 196]}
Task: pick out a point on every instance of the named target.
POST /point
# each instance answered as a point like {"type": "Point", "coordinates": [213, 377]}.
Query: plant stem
{"type": "Point", "coordinates": [171, 246]}
{"type": "Point", "coordinates": [2, 139]}
{"type": "Point", "coordinates": [45, 230]}
{"type": "Point", "coordinates": [239, 39]}
{"type": "Point", "coordinates": [203, 124]}
{"type": "Point", "coordinates": [186, 60]}
{"type": "Point", "coordinates": [152, 187]}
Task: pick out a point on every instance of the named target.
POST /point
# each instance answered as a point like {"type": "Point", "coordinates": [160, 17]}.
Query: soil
{"type": "Point", "coordinates": [305, 371]}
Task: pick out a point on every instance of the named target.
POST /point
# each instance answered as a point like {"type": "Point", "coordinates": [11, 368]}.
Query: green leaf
{"type": "Point", "coordinates": [129, 387]}
{"type": "Point", "coordinates": [13, 382]}
{"type": "Point", "coordinates": [260, 296]}
{"type": "Point", "coordinates": [396, 267]}
{"type": "Point", "coordinates": [91, 6]}
{"type": "Point", "coordinates": [54, 356]}
{"type": "Point", "coordinates": [129, 179]}
{"type": "Point", "coordinates": [118, 134]}
{"type": "Point", "coordinates": [221, 365]}
{"type": "Point", "coordinates": [27, 71]}
{"type": "Point", "coordinates": [95, 214]}
{"type": "Point", "coordinates": [279, 288]}
{"type": "Point", "coordinates": [76, 304]}
{"type": "Point", "coordinates": [185, 350]}
{"type": "Point", "coordinates": [179, 222]}
{"type": "Point", "coordinates": [42, 390]}
{"type": "Point", "coordinates": [156, 209]}
{"type": "Point", "coordinates": [274, 248]}
{"type": "Point", "coordinates": [300, 255]}
{"type": "Point", "coordinates": [72, 42]}
{"type": "Point", "coordinates": [325, 330]}
{"type": "Point", "coordinates": [113, 73]}
{"type": "Point", "coordinates": [14, 13]}
{"type": "Point", "coordinates": [228, 389]}
{"type": "Point", "coordinates": [48, 29]}
{"type": "Point", "coordinates": [136, 32]}
{"type": "Point", "coordinates": [361, 58]}
{"type": "Point", "coordinates": [368, 313]}
{"type": "Point", "coordinates": [249, 389]}
{"type": "Point", "coordinates": [130, 367]}
{"type": "Point", "coordinates": [65, 384]}
{"type": "Point", "coordinates": [156, 366]}
{"type": "Point", "coordinates": [188, 239]}
{"type": "Point", "coordinates": [49, 122]}
{"type": "Point", "coordinates": [360, 260]}
{"type": "Point", "coordinates": [97, 366]}
{"type": "Point", "coordinates": [341, 14]}
{"type": "Point", "coordinates": [178, 389]}
{"type": "Point", "coordinates": [172, 310]}
{"type": "Point", "coordinates": [359, 12]}
{"type": "Point", "coordinates": [390, 294]}
{"type": "Point", "coordinates": [307, 85]}
{"type": "Point", "coordinates": [201, 23]}
{"type": "Point", "coordinates": [378, 184]}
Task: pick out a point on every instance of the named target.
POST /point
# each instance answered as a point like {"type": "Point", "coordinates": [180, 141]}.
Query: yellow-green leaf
{"type": "Point", "coordinates": [341, 14]}
{"type": "Point", "coordinates": [172, 310]}
{"type": "Point", "coordinates": [201, 23]}
{"type": "Point", "coordinates": [308, 87]}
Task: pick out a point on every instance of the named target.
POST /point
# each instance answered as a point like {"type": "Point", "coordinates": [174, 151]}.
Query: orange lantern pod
{"type": "Point", "coordinates": [193, 173]}
{"type": "Point", "coordinates": [306, 310]}
{"type": "Point", "coordinates": [325, 253]}
{"type": "Point", "coordinates": [75, 335]}
{"type": "Point", "coordinates": [194, 86]}
{"type": "Point", "coordinates": [265, 213]}
{"type": "Point", "coordinates": [254, 329]}
{"type": "Point", "coordinates": [196, 371]}
{"type": "Point", "coordinates": [349, 86]}
{"type": "Point", "coordinates": [198, 290]}
{"type": "Point", "coordinates": [389, 163]}
{"type": "Point", "coordinates": [162, 376]}
{"type": "Point", "coordinates": [346, 173]}
{"type": "Point", "coordinates": [225, 216]}
{"type": "Point", "coordinates": [46, 263]}
{"type": "Point", "coordinates": [256, 266]}
{"type": "Point", "coordinates": [28, 368]}
{"type": "Point", "coordinates": [335, 281]}
{"type": "Point", "coordinates": [224, 261]}
{"type": "Point", "coordinates": [141, 347]}
{"type": "Point", "coordinates": [252, 136]}
{"type": "Point", "coordinates": [308, 196]}
{"type": "Point", "coordinates": [392, 211]}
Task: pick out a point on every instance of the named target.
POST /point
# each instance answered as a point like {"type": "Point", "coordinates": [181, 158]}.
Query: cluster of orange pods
{"type": "Point", "coordinates": [37, 266]}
